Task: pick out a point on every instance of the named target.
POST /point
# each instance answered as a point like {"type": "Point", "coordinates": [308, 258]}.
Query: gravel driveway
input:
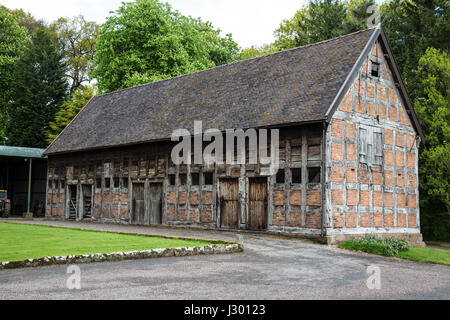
{"type": "Point", "coordinates": [269, 268]}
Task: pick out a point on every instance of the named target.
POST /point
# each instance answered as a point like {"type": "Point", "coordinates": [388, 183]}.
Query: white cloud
{"type": "Point", "coordinates": [251, 22]}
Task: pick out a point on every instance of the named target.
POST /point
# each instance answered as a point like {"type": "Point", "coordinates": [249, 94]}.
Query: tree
{"type": "Point", "coordinates": [418, 33]}
{"type": "Point", "coordinates": [76, 38]}
{"type": "Point", "coordinates": [285, 34]}
{"type": "Point", "coordinates": [12, 44]}
{"type": "Point", "coordinates": [433, 109]}
{"type": "Point", "coordinates": [322, 20]}
{"type": "Point", "coordinates": [39, 88]}
{"type": "Point", "coordinates": [146, 40]}
{"type": "Point", "coordinates": [255, 51]}
{"type": "Point", "coordinates": [68, 110]}
{"type": "Point", "coordinates": [413, 26]}
{"type": "Point", "coordinates": [26, 20]}
{"type": "Point", "coordinates": [357, 14]}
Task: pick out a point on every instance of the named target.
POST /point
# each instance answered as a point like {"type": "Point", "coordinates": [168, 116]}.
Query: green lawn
{"type": "Point", "coordinates": [430, 255]}
{"type": "Point", "coordinates": [22, 241]}
{"type": "Point", "coordinates": [439, 243]}
{"type": "Point", "coordinates": [397, 248]}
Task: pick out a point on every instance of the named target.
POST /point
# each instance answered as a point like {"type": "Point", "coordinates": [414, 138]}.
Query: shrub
{"type": "Point", "coordinates": [386, 247]}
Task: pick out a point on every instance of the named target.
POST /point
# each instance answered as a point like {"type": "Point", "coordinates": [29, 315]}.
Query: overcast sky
{"type": "Point", "coordinates": [251, 22]}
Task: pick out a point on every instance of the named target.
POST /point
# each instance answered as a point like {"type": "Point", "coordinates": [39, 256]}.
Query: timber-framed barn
{"type": "Point", "coordinates": [348, 147]}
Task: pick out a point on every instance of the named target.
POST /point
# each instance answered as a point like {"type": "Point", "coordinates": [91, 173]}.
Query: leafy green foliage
{"type": "Point", "coordinates": [432, 104]}
{"type": "Point", "coordinates": [39, 88]}
{"type": "Point", "coordinates": [432, 90]}
{"type": "Point", "coordinates": [13, 41]}
{"type": "Point", "coordinates": [26, 20]}
{"type": "Point", "coordinates": [322, 20]}
{"type": "Point", "coordinates": [386, 247]}
{"type": "Point", "coordinates": [68, 110]}
{"type": "Point", "coordinates": [146, 41]}
{"type": "Point", "coordinates": [255, 51]}
{"type": "Point", "coordinates": [418, 32]}
{"type": "Point", "coordinates": [413, 26]}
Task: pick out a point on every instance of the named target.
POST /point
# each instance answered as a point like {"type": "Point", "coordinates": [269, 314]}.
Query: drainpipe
{"type": "Point", "coordinates": [29, 184]}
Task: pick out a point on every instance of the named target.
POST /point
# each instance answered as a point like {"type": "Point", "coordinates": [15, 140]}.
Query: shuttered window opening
{"type": "Point", "coordinates": [370, 145]}
{"type": "Point", "coordinates": [378, 148]}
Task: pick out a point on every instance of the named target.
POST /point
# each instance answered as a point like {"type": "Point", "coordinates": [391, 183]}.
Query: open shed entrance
{"type": "Point", "coordinates": [87, 201]}
{"type": "Point", "coordinates": [229, 203]}
{"type": "Point", "coordinates": [257, 203]}
{"type": "Point", "coordinates": [73, 195]}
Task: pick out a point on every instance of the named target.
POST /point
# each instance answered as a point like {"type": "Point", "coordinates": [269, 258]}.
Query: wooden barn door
{"type": "Point", "coordinates": [257, 203]}
{"type": "Point", "coordinates": [155, 202]}
{"type": "Point", "coordinates": [229, 203]}
{"type": "Point", "coordinates": [138, 214]}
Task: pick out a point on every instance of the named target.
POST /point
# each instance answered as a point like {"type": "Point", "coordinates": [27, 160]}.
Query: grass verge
{"type": "Point", "coordinates": [397, 248]}
{"type": "Point", "coordinates": [430, 255]}
{"type": "Point", "coordinates": [23, 241]}
{"type": "Point", "coordinates": [438, 243]}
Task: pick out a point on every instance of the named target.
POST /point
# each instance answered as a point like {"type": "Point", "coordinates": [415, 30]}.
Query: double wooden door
{"type": "Point", "coordinates": [230, 205]}
{"type": "Point", "coordinates": [152, 213]}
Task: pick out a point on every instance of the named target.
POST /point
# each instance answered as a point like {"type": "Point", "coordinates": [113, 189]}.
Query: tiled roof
{"type": "Point", "coordinates": [288, 87]}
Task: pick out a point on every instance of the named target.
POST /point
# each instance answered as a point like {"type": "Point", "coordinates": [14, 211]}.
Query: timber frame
{"type": "Point", "coordinates": [348, 147]}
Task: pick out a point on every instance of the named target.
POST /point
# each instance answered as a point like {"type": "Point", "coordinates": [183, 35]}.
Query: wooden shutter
{"type": "Point", "coordinates": [378, 147]}
{"type": "Point", "coordinates": [363, 144]}
{"type": "Point", "coordinates": [370, 145]}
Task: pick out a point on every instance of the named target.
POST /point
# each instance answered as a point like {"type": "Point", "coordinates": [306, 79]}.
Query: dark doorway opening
{"type": "Point", "coordinates": [72, 202]}
{"type": "Point", "coordinates": [87, 201]}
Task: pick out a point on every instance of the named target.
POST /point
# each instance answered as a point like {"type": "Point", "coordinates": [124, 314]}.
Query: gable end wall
{"type": "Point", "coordinates": [366, 198]}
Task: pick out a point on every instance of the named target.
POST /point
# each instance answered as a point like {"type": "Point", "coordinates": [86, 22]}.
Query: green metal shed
{"type": "Point", "coordinates": [23, 174]}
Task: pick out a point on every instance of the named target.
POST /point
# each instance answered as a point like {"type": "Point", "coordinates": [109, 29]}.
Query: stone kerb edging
{"type": "Point", "coordinates": [130, 255]}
